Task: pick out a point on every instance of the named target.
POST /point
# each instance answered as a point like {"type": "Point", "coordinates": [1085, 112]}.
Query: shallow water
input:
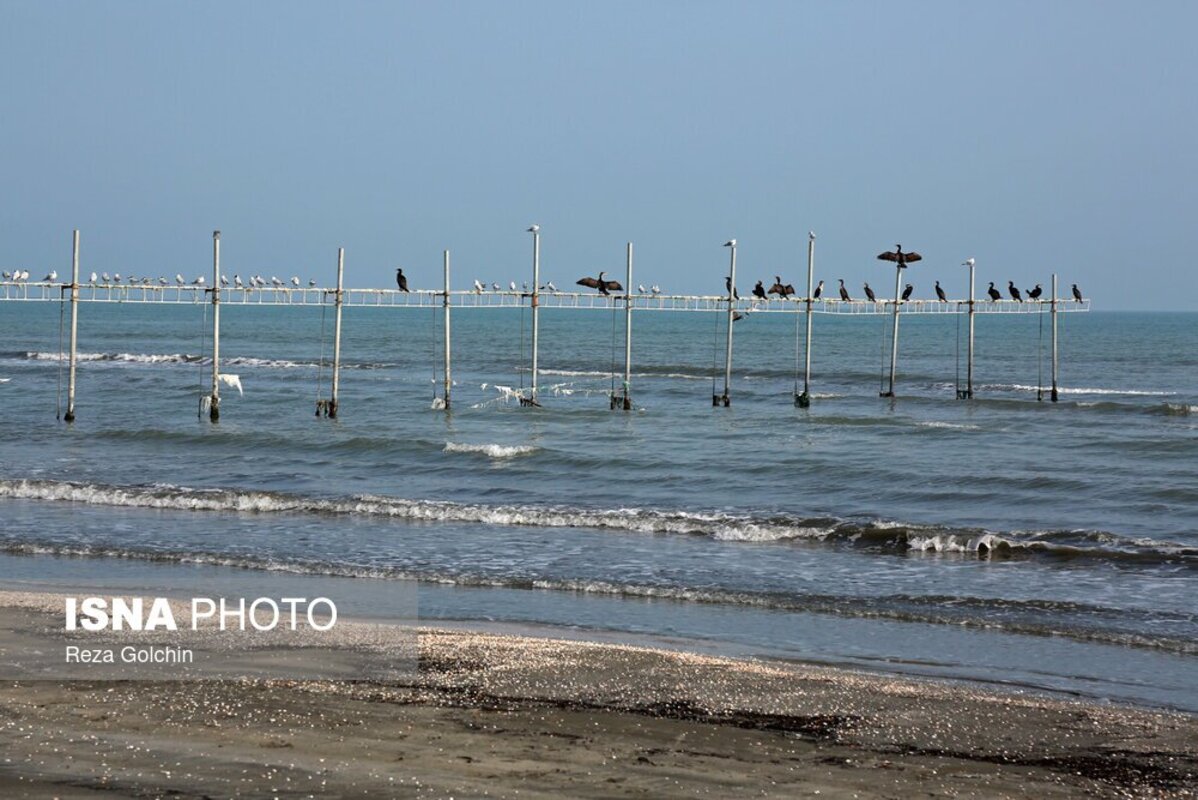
{"type": "Point", "coordinates": [999, 539]}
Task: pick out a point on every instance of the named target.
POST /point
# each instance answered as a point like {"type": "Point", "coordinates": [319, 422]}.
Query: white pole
{"type": "Point", "coordinates": [536, 282]}
{"type": "Point", "coordinates": [898, 284]}
{"type": "Point", "coordinates": [804, 400]}
{"type": "Point", "coordinates": [335, 399]}
{"type": "Point", "coordinates": [70, 415]}
{"type": "Point", "coordinates": [1055, 394]}
{"type": "Point", "coordinates": [969, 356]}
{"type": "Point", "coordinates": [726, 400]}
{"type": "Point", "coordinates": [628, 331]}
{"type": "Point", "coordinates": [448, 378]}
{"type": "Point", "coordinates": [214, 404]}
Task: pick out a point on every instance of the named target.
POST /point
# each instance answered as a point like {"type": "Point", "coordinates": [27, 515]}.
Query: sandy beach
{"type": "Point", "coordinates": [506, 716]}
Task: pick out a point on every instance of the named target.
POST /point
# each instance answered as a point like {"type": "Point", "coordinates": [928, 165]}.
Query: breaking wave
{"type": "Point", "coordinates": [721, 525]}
{"type": "Point", "coordinates": [491, 450]}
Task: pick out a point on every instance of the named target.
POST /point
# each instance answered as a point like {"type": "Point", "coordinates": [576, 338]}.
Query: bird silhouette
{"type": "Point", "coordinates": [1034, 294]}
{"type": "Point", "coordinates": [995, 295]}
{"type": "Point", "coordinates": [940, 293]}
{"type": "Point", "coordinates": [1077, 293]}
{"type": "Point", "coordinates": [604, 287]}
{"type": "Point", "coordinates": [1014, 290]}
{"type": "Point", "coordinates": [907, 292]}
{"type": "Point", "coordinates": [759, 291]}
{"type": "Point", "coordinates": [844, 293]}
{"type": "Point", "coordinates": [818, 291]}
{"type": "Point", "coordinates": [728, 287]}
{"type": "Point", "coordinates": [870, 294]}
{"type": "Point", "coordinates": [778, 288]}
{"type": "Point", "coordinates": [401, 280]}
{"type": "Point", "coordinates": [899, 257]}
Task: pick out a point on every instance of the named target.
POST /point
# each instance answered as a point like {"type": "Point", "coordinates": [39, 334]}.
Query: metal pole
{"type": "Point", "coordinates": [726, 400]}
{"type": "Point", "coordinates": [898, 284]}
{"type": "Point", "coordinates": [70, 415]}
{"type": "Point", "coordinates": [967, 392]}
{"type": "Point", "coordinates": [536, 283]}
{"type": "Point", "coordinates": [214, 401]}
{"type": "Point", "coordinates": [804, 400]}
{"type": "Point", "coordinates": [628, 331]}
{"type": "Point", "coordinates": [334, 400]}
{"type": "Point", "coordinates": [448, 378]}
{"type": "Point", "coordinates": [1054, 338]}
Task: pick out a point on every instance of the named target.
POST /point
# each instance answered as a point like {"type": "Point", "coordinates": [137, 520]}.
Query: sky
{"type": "Point", "coordinates": [1037, 137]}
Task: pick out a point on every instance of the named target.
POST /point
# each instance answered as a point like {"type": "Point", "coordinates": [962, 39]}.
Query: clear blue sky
{"type": "Point", "coordinates": [1036, 136]}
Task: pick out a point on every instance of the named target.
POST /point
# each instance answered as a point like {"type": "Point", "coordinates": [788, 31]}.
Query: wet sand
{"type": "Point", "coordinates": [486, 715]}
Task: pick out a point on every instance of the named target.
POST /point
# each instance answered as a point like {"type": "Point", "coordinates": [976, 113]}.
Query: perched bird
{"type": "Point", "coordinates": [969, 262]}
{"type": "Point", "coordinates": [994, 293]}
{"type": "Point", "coordinates": [199, 281]}
{"type": "Point", "coordinates": [178, 278]}
{"type": "Point", "coordinates": [759, 291]}
{"type": "Point", "coordinates": [640, 288]}
{"type": "Point", "coordinates": [275, 280]}
{"type": "Point", "coordinates": [495, 286]}
{"type": "Point", "coordinates": [1034, 294]}
{"type": "Point", "coordinates": [870, 294]}
{"type": "Point", "coordinates": [907, 292]}
{"type": "Point", "coordinates": [311, 282]}
{"type": "Point", "coordinates": [161, 280]}
{"type": "Point", "coordinates": [1077, 293]}
{"type": "Point", "coordinates": [778, 288]}
{"type": "Point", "coordinates": [400, 280]}
{"type": "Point", "coordinates": [844, 293]}
{"type": "Point", "coordinates": [818, 290]}
{"type": "Point", "coordinates": [899, 257]}
{"type": "Point", "coordinates": [237, 281]}
{"type": "Point", "coordinates": [655, 289]}
{"type": "Point", "coordinates": [478, 287]}
{"type": "Point", "coordinates": [106, 278]}
{"type": "Point", "coordinates": [1014, 290]}
{"type": "Point", "coordinates": [94, 277]}
{"type": "Point", "coordinates": [52, 275]}
{"type": "Point", "coordinates": [604, 287]}
{"type": "Point", "coordinates": [224, 281]}
{"type": "Point", "coordinates": [511, 285]}
{"type": "Point", "coordinates": [6, 275]}
{"type": "Point", "coordinates": [940, 293]}
{"type": "Point", "coordinates": [534, 228]}
{"type": "Point", "coordinates": [551, 287]}
{"type": "Point", "coordinates": [116, 278]}
{"type": "Point", "coordinates": [728, 287]}
{"type": "Point", "coordinates": [295, 280]}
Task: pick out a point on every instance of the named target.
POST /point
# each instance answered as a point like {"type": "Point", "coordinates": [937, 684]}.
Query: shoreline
{"type": "Point", "coordinates": [573, 718]}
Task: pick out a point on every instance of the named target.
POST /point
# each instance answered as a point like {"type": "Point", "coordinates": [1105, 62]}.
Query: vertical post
{"type": "Point", "coordinates": [967, 392]}
{"type": "Point", "coordinates": [627, 403]}
{"type": "Point", "coordinates": [535, 302]}
{"type": "Point", "coordinates": [70, 415]}
{"type": "Point", "coordinates": [898, 285]}
{"type": "Point", "coordinates": [214, 401]}
{"type": "Point", "coordinates": [448, 378]}
{"type": "Point", "coordinates": [726, 400]}
{"type": "Point", "coordinates": [334, 399]}
{"type": "Point", "coordinates": [1055, 394]}
{"type": "Point", "coordinates": [804, 400]}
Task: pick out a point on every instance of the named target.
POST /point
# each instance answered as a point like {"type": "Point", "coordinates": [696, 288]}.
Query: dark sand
{"type": "Point", "coordinates": [508, 716]}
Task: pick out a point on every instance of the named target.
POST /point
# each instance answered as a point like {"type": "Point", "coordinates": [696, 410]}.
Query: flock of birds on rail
{"type": "Point", "coordinates": [601, 284]}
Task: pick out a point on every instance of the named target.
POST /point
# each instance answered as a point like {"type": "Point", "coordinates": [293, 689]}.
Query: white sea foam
{"type": "Point", "coordinates": [948, 425]}
{"type": "Point", "coordinates": [1022, 387]}
{"type": "Point", "coordinates": [170, 358]}
{"type": "Point", "coordinates": [492, 450]}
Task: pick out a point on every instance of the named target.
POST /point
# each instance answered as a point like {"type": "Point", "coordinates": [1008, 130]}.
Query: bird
{"type": "Point", "coordinates": [728, 287]}
{"type": "Point", "coordinates": [94, 277]}
{"type": "Point", "coordinates": [24, 274]}
{"type": "Point", "coordinates": [844, 293]}
{"type": "Point", "coordinates": [551, 287]}
{"type": "Point", "coordinates": [400, 280]}
{"type": "Point", "coordinates": [899, 257]}
{"type": "Point", "coordinates": [1034, 294]}
{"type": "Point", "coordinates": [275, 280]}
{"type": "Point", "coordinates": [870, 294]}
{"type": "Point", "coordinates": [199, 281]}
{"type": "Point", "coordinates": [511, 285]}
{"type": "Point", "coordinates": [759, 291]}
{"type": "Point", "coordinates": [295, 280]}
{"type": "Point", "coordinates": [655, 289]}
{"type": "Point", "coordinates": [178, 278]}
{"type": "Point", "coordinates": [52, 275]}
{"type": "Point", "coordinates": [604, 287]}
{"type": "Point", "coordinates": [495, 286]}
{"type": "Point", "coordinates": [1015, 295]}
{"type": "Point", "coordinates": [818, 289]}
{"type": "Point", "coordinates": [6, 275]}
{"type": "Point", "coordinates": [994, 293]}
{"type": "Point", "coordinates": [640, 288]}
{"type": "Point", "coordinates": [907, 292]}
{"type": "Point", "coordinates": [534, 228]}
{"type": "Point", "coordinates": [116, 278]}
{"type": "Point", "coordinates": [224, 281]}
{"type": "Point", "coordinates": [311, 282]}
{"type": "Point", "coordinates": [161, 280]}
{"type": "Point", "coordinates": [478, 287]}
{"type": "Point", "coordinates": [730, 243]}
{"type": "Point", "coordinates": [940, 293]}
{"type": "Point", "coordinates": [969, 262]}
{"type": "Point", "coordinates": [237, 281]}
{"type": "Point", "coordinates": [1077, 293]}
{"type": "Point", "coordinates": [778, 288]}
{"type": "Point", "coordinates": [105, 277]}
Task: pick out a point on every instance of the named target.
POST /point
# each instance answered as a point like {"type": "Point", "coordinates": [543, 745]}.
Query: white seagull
{"type": "Point", "coordinates": [104, 277]}
{"type": "Point", "coordinates": [534, 228]}
{"type": "Point", "coordinates": [512, 285]}
{"type": "Point", "coordinates": [179, 278]}
{"type": "Point", "coordinates": [224, 281]}
{"type": "Point", "coordinates": [730, 243]}
{"type": "Point", "coordinates": [655, 289]}
{"type": "Point", "coordinates": [969, 262]}
{"type": "Point", "coordinates": [237, 281]}
{"type": "Point", "coordinates": [52, 276]}
{"type": "Point", "coordinates": [551, 287]}
{"type": "Point", "coordinates": [495, 286]}
{"type": "Point", "coordinates": [478, 287]}
{"type": "Point", "coordinates": [199, 281]}
{"type": "Point", "coordinates": [640, 288]}
{"type": "Point", "coordinates": [312, 282]}
{"type": "Point", "coordinates": [295, 280]}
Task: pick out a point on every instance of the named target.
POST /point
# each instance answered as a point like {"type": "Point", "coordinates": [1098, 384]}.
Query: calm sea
{"type": "Point", "coordinates": [1036, 544]}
